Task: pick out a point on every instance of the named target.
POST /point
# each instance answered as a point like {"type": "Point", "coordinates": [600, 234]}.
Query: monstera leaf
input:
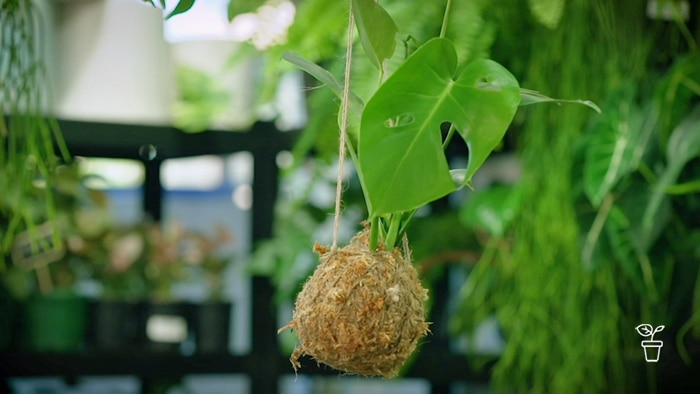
{"type": "Point", "coordinates": [401, 160]}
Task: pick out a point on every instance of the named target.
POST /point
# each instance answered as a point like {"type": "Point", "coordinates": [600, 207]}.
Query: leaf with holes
{"type": "Point", "coordinates": [400, 151]}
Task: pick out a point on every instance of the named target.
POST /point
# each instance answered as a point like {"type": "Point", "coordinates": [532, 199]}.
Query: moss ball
{"type": "Point", "coordinates": [361, 312]}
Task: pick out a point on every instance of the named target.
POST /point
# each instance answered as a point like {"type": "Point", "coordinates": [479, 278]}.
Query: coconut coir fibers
{"type": "Point", "coordinates": [361, 311]}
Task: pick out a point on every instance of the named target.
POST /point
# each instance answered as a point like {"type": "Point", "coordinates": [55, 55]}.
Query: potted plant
{"type": "Point", "coordinates": [210, 317]}
{"type": "Point", "coordinates": [44, 273]}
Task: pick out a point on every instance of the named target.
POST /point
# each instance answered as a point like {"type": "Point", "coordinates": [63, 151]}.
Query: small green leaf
{"type": "Point", "coordinates": [377, 30]}
{"type": "Point", "coordinates": [528, 97]}
{"type": "Point", "coordinates": [182, 6]}
{"type": "Point", "coordinates": [403, 165]}
{"type": "Point", "coordinates": [321, 74]}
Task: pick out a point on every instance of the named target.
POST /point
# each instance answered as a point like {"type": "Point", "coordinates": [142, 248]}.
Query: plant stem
{"type": "Point", "coordinates": [374, 233]}
{"type": "Point", "coordinates": [445, 19]}
{"type": "Point", "coordinates": [393, 232]}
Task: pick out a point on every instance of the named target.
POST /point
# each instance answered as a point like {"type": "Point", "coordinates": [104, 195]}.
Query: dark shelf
{"type": "Point", "coordinates": [111, 140]}
{"type": "Point", "coordinates": [434, 365]}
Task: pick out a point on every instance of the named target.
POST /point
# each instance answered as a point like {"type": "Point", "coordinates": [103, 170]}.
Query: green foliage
{"type": "Point", "coordinates": [28, 139]}
{"type": "Point", "coordinates": [617, 141]}
{"type": "Point", "coordinates": [200, 100]}
{"type": "Point", "coordinates": [401, 157]}
{"type": "Point", "coordinates": [570, 275]}
{"type": "Point", "coordinates": [377, 31]}
{"type": "Point", "coordinates": [492, 209]}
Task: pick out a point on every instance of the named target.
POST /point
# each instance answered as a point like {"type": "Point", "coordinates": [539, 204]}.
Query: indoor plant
{"type": "Point", "coordinates": [395, 141]}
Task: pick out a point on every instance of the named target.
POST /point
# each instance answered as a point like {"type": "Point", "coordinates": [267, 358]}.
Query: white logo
{"type": "Point", "coordinates": [652, 348]}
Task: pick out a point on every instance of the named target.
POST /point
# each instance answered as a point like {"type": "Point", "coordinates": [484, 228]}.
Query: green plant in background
{"type": "Point", "coordinates": [199, 101]}
{"type": "Point", "coordinates": [599, 221]}
{"type": "Point", "coordinates": [28, 139]}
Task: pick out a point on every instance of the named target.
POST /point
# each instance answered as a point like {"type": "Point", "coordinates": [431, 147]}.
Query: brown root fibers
{"type": "Point", "coordinates": [360, 312]}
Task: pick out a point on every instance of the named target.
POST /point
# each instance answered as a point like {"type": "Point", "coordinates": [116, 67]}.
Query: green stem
{"type": "Point", "coordinates": [684, 188]}
{"type": "Point", "coordinates": [448, 137]}
{"type": "Point", "coordinates": [374, 233]}
{"type": "Point", "coordinates": [445, 19]}
{"type": "Point", "coordinates": [406, 221]}
{"type": "Point", "coordinates": [393, 233]}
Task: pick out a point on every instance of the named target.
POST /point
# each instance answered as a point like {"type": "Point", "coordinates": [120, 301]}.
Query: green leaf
{"type": "Point", "coordinates": [492, 209]}
{"type": "Point", "coordinates": [616, 143]}
{"type": "Point", "coordinates": [377, 30]}
{"type": "Point", "coordinates": [321, 74]}
{"type": "Point", "coordinates": [400, 150]}
{"type": "Point", "coordinates": [237, 7]}
{"type": "Point", "coordinates": [683, 145]}
{"type": "Point", "coordinates": [182, 6]}
{"type": "Point", "coordinates": [324, 76]}
{"type": "Point", "coordinates": [619, 236]}
{"type": "Point", "coordinates": [547, 12]}
{"type": "Point", "coordinates": [528, 97]}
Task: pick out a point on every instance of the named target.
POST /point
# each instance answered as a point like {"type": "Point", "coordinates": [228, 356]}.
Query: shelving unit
{"type": "Point", "coordinates": [264, 364]}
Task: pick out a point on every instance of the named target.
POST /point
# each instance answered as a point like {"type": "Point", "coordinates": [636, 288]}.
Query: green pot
{"type": "Point", "coordinates": [55, 322]}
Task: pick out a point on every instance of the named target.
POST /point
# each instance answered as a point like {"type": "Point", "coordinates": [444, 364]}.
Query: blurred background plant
{"type": "Point", "coordinates": [28, 139]}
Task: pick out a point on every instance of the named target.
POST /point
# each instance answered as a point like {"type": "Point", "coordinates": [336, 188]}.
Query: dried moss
{"type": "Point", "coordinates": [361, 312]}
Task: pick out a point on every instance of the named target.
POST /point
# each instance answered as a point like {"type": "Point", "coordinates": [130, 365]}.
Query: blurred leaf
{"type": "Point", "coordinates": [182, 6]}
{"type": "Point", "coordinates": [377, 30]}
{"type": "Point", "coordinates": [617, 228]}
{"type": "Point", "coordinates": [683, 145]}
{"type": "Point", "coordinates": [677, 92]}
{"type": "Point", "coordinates": [492, 209]}
{"type": "Point", "coordinates": [237, 7]}
{"type": "Point", "coordinates": [201, 99]}
{"type": "Point", "coordinates": [400, 153]}
{"type": "Point", "coordinates": [528, 97]}
{"type": "Point", "coordinates": [615, 146]}
{"type": "Point", "coordinates": [318, 72]}
{"type": "Point", "coordinates": [547, 12]}
{"type": "Point", "coordinates": [471, 34]}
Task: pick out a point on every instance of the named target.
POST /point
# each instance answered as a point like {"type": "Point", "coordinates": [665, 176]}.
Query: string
{"type": "Point", "coordinates": [343, 130]}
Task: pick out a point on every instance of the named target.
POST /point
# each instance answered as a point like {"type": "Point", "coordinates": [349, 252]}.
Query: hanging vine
{"type": "Point", "coordinates": [28, 138]}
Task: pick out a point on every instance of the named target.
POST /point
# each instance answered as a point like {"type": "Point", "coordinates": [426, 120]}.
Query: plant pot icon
{"type": "Point", "coordinates": [652, 350]}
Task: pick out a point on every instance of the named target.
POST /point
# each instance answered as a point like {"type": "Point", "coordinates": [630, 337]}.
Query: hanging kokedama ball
{"type": "Point", "coordinates": [361, 311]}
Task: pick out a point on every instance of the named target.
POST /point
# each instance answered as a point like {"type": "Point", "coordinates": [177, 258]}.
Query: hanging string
{"type": "Point", "coordinates": [343, 130]}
